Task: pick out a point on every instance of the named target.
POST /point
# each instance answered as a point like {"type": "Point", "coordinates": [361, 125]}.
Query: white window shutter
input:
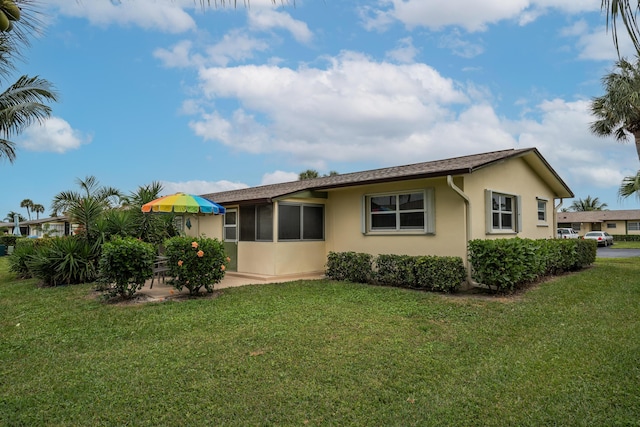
{"type": "Point", "coordinates": [488, 203]}
{"type": "Point", "coordinates": [430, 211]}
{"type": "Point", "coordinates": [519, 213]}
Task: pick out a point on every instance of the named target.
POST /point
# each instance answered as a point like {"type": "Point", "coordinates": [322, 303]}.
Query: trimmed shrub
{"type": "Point", "coordinates": [195, 262]}
{"type": "Point", "coordinates": [349, 266]}
{"type": "Point", "coordinates": [394, 270]}
{"type": "Point", "coordinates": [506, 264]}
{"type": "Point", "coordinates": [126, 263]}
{"type": "Point", "coordinates": [442, 274]}
{"type": "Point", "coordinates": [626, 237]}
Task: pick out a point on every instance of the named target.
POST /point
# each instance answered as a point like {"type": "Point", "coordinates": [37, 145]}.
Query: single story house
{"type": "Point", "coordinates": [430, 208]}
{"type": "Point", "coordinates": [613, 222]}
{"type": "Point", "coordinates": [53, 226]}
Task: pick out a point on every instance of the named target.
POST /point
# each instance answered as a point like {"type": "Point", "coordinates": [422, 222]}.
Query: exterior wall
{"type": "Point", "coordinates": [344, 216]}
{"type": "Point", "coordinates": [257, 258]}
{"type": "Point", "coordinates": [515, 177]}
{"type": "Point", "coordinates": [618, 227]}
{"type": "Point", "coordinates": [300, 257]}
{"type": "Point", "coordinates": [205, 225]}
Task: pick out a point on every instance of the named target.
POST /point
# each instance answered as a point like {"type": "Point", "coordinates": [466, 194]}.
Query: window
{"type": "Point", "coordinates": [230, 225]}
{"type": "Point", "coordinates": [611, 225]}
{"type": "Point", "coordinates": [300, 222]}
{"type": "Point", "coordinates": [633, 226]}
{"type": "Point", "coordinates": [503, 212]}
{"type": "Point", "coordinates": [256, 223]}
{"type": "Point", "coordinates": [542, 210]}
{"type": "Point", "coordinates": [396, 212]}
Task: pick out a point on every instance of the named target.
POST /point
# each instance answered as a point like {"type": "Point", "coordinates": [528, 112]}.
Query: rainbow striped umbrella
{"type": "Point", "coordinates": [182, 202]}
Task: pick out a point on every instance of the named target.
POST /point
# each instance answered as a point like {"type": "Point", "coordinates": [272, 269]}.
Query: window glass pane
{"type": "Point", "coordinates": [230, 218]}
{"type": "Point", "coordinates": [505, 203]}
{"type": "Point", "coordinates": [383, 221]}
{"type": "Point", "coordinates": [248, 223]}
{"type": "Point", "coordinates": [264, 222]}
{"type": "Point", "coordinates": [230, 233]}
{"type": "Point", "coordinates": [289, 222]}
{"type": "Point", "coordinates": [313, 217]}
{"type": "Point", "coordinates": [411, 201]}
{"type": "Point", "coordinates": [634, 226]}
{"type": "Point", "coordinates": [506, 221]}
{"type": "Point", "coordinates": [413, 220]}
{"type": "Point", "coordinates": [496, 202]}
{"type": "Point", "coordinates": [383, 203]}
{"type": "Point", "coordinates": [496, 220]}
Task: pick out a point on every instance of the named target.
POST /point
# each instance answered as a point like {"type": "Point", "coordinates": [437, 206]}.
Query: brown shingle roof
{"type": "Point", "coordinates": [600, 216]}
{"type": "Point", "coordinates": [438, 168]}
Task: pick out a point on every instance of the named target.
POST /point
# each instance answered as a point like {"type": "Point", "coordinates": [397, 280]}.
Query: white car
{"type": "Point", "coordinates": [567, 233]}
{"type": "Point", "coordinates": [602, 237]}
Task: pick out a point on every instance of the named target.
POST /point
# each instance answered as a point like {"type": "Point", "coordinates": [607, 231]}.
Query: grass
{"type": "Point", "coordinates": [326, 353]}
{"type": "Point", "coordinates": [625, 245]}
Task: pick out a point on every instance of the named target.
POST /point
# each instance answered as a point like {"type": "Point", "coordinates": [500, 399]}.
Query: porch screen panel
{"type": "Point", "coordinates": [289, 224]}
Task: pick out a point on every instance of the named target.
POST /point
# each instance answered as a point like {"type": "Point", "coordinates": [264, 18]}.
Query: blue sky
{"type": "Point", "coordinates": [224, 98]}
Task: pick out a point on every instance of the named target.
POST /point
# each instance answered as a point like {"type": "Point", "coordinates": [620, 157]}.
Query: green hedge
{"type": "Point", "coordinates": [506, 264]}
{"type": "Point", "coordinates": [444, 274]}
{"type": "Point", "coordinates": [626, 237]}
{"type": "Point", "coordinates": [8, 240]}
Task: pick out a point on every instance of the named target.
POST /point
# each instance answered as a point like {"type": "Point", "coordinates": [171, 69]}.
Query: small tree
{"type": "Point", "coordinates": [126, 263]}
{"type": "Point", "coordinates": [195, 263]}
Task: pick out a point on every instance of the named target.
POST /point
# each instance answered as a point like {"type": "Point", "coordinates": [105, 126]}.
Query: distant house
{"type": "Point", "coordinates": [613, 222]}
{"type": "Point", "coordinates": [431, 208]}
{"type": "Point", "coordinates": [51, 227]}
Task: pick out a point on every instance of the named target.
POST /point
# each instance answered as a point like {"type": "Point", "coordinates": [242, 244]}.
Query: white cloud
{"type": "Point", "coordinates": [562, 135]}
{"type": "Point", "coordinates": [163, 15]}
{"type": "Point", "coordinates": [200, 187]}
{"type": "Point", "coordinates": [353, 109]}
{"type": "Point", "coordinates": [55, 135]}
{"type": "Point", "coordinates": [459, 46]}
{"type": "Point", "coordinates": [268, 19]}
{"type": "Point", "coordinates": [596, 43]}
{"type": "Point", "coordinates": [404, 53]}
{"type": "Point", "coordinates": [278, 177]}
{"type": "Point", "coordinates": [472, 15]}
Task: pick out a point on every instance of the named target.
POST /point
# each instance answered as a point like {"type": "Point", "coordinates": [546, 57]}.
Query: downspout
{"type": "Point", "coordinates": [467, 204]}
{"type": "Point", "coordinates": [555, 218]}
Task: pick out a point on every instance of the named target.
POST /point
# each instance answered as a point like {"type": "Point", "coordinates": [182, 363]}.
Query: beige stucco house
{"type": "Point", "coordinates": [430, 208]}
{"type": "Point", "coordinates": [613, 222]}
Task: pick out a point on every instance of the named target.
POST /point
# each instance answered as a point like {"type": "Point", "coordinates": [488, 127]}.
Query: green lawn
{"type": "Point", "coordinates": [625, 245]}
{"type": "Point", "coordinates": [325, 353]}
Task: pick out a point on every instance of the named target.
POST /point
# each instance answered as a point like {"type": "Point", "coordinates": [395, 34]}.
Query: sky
{"type": "Point", "coordinates": [220, 98]}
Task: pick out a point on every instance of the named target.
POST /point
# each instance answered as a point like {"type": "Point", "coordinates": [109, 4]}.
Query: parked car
{"type": "Point", "coordinates": [567, 233]}
{"type": "Point", "coordinates": [602, 237]}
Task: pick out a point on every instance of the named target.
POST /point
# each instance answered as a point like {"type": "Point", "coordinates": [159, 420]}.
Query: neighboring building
{"type": "Point", "coordinates": [431, 208]}
{"type": "Point", "coordinates": [613, 222]}
{"type": "Point", "coordinates": [50, 227]}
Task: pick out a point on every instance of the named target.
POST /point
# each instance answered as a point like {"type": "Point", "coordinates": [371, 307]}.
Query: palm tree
{"type": "Point", "coordinates": [27, 204]}
{"type": "Point", "coordinates": [11, 217]}
{"type": "Point", "coordinates": [588, 204]}
{"type": "Point", "coordinates": [37, 208]}
{"type": "Point", "coordinates": [153, 228]}
{"type": "Point", "coordinates": [622, 9]}
{"type": "Point", "coordinates": [308, 174]}
{"type": "Point", "coordinates": [618, 110]}
{"type": "Point", "coordinates": [630, 186]}
{"type": "Point", "coordinates": [85, 207]}
{"type": "Point", "coordinates": [22, 103]}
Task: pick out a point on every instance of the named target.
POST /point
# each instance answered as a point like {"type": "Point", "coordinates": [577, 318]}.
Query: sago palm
{"type": "Point", "coordinates": [618, 110]}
